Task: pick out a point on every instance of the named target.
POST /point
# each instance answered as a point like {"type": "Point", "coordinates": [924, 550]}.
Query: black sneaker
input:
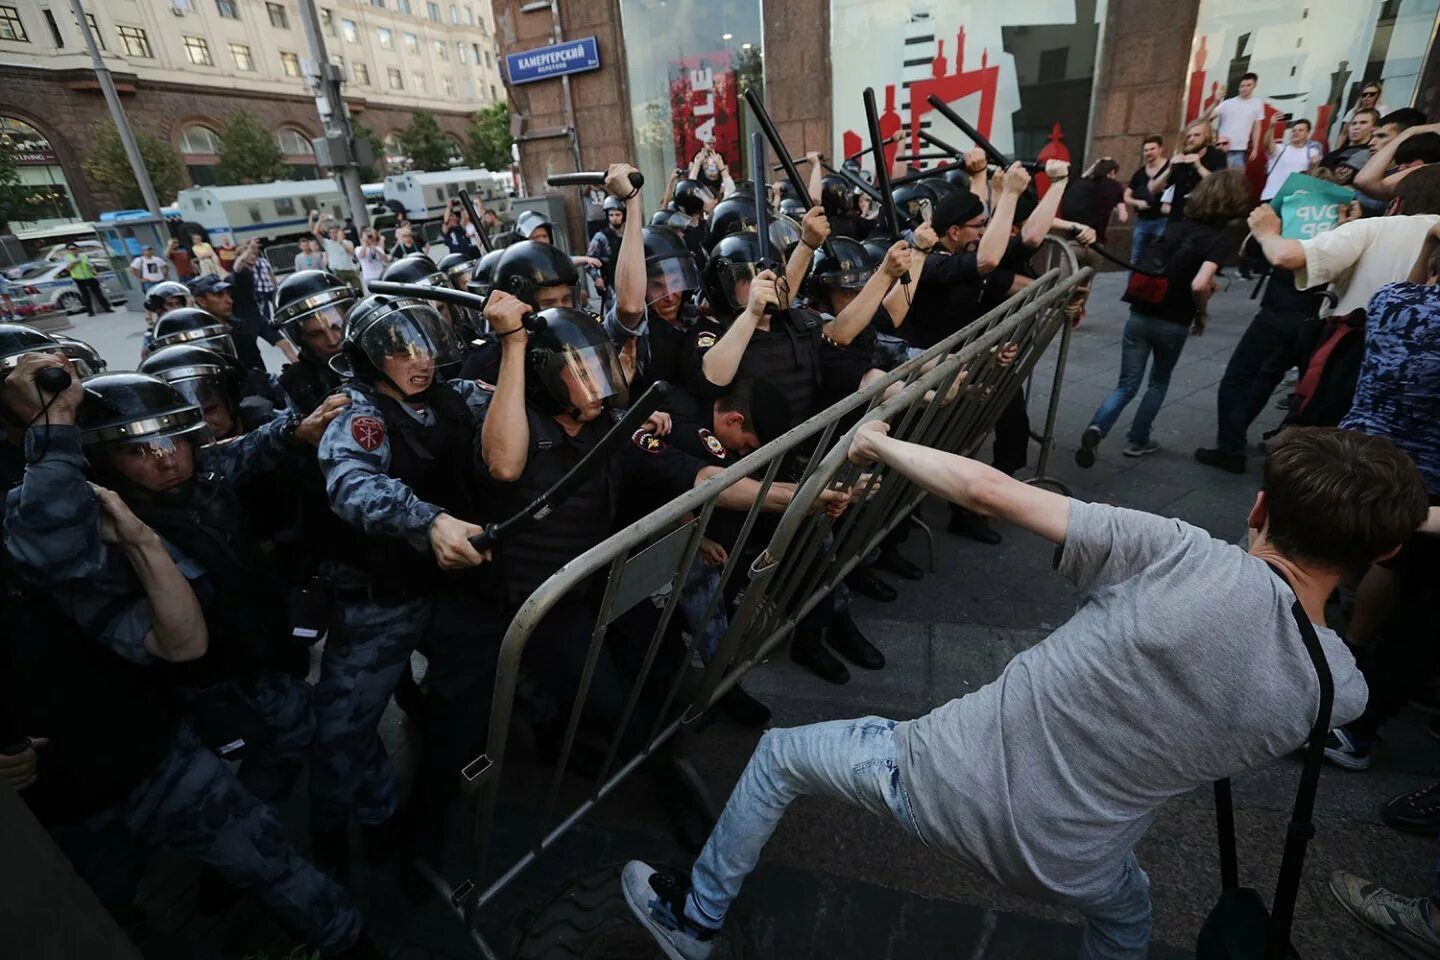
{"type": "Point", "coordinates": [658, 902]}
{"type": "Point", "coordinates": [1089, 440]}
{"type": "Point", "coordinates": [968, 523]}
{"type": "Point", "coordinates": [1415, 812]}
{"type": "Point", "coordinates": [808, 651]}
{"type": "Point", "coordinates": [892, 560]}
{"type": "Point", "coordinates": [743, 709]}
{"type": "Point", "coordinates": [866, 581]}
{"type": "Point", "coordinates": [847, 640]}
{"type": "Point", "coordinates": [1230, 462]}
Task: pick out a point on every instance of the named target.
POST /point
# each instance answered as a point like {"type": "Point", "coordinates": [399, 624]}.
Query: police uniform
{"type": "Point", "coordinates": [389, 471]}
{"type": "Point", "coordinates": [654, 349]}
{"type": "Point", "coordinates": [306, 383]}
{"type": "Point", "coordinates": [788, 355]}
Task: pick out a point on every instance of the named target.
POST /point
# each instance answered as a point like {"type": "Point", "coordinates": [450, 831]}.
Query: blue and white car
{"type": "Point", "coordinates": [47, 284]}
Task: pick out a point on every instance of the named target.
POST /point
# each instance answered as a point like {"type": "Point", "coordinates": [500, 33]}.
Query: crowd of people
{"type": "Point", "coordinates": [178, 537]}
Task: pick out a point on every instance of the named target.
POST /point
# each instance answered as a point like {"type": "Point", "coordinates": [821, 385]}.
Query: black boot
{"type": "Point", "coordinates": [847, 640]}
{"type": "Point", "coordinates": [968, 523]}
{"type": "Point", "coordinates": [807, 650]}
{"type": "Point", "coordinates": [1212, 457]}
{"type": "Point", "coordinates": [330, 849]}
{"type": "Point", "coordinates": [866, 581]}
{"type": "Point", "coordinates": [743, 709]}
{"type": "Point", "coordinates": [892, 560]}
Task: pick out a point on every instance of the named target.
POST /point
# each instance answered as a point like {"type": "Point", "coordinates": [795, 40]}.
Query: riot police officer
{"type": "Point", "coordinates": [398, 470]}
{"type": "Point", "coordinates": [208, 380]}
{"type": "Point", "coordinates": [534, 226]}
{"type": "Point", "coordinates": [421, 270]}
{"type": "Point", "coordinates": [605, 244]}
{"type": "Point", "coordinates": [83, 356]}
{"type": "Point", "coordinates": [120, 627]}
{"type": "Point", "coordinates": [168, 295]}
{"type": "Point", "coordinates": [194, 327]}
{"type": "Point", "coordinates": [837, 198]}
{"type": "Point", "coordinates": [538, 274]}
{"type": "Point", "coordinates": [310, 310]}
{"type": "Point", "coordinates": [649, 323]}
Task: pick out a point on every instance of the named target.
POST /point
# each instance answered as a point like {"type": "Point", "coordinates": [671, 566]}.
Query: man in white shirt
{"type": "Point", "coordinates": [1237, 122]}
{"type": "Point", "coordinates": [149, 269]}
{"type": "Point", "coordinates": [1298, 154]}
{"type": "Point", "coordinates": [1359, 256]}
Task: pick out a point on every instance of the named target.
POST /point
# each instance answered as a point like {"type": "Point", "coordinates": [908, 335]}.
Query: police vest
{"type": "Point", "coordinates": [110, 721]}
{"type": "Point", "coordinates": [578, 523]}
{"type": "Point", "coordinates": [607, 265]}
{"type": "Point", "coordinates": [436, 462]}
{"type": "Point", "coordinates": [307, 384]}
{"type": "Point", "coordinates": [789, 358]}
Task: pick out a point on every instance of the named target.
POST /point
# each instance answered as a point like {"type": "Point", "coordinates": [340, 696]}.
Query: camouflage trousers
{"type": "Point", "coordinates": [192, 803]}
{"type": "Point", "coordinates": [362, 661]}
{"type": "Point", "coordinates": [281, 705]}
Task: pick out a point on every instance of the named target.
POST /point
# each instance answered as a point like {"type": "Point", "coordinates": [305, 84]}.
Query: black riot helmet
{"type": "Point", "coordinates": [168, 295]}
{"type": "Point", "coordinates": [531, 220]}
{"type": "Point", "coordinates": [669, 265]}
{"type": "Point", "coordinates": [193, 326]}
{"type": "Point", "coordinates": [457, 268]}
{"type": "Point", "coordinates": [943, 188]}
{"type": "Point", "coordinates": [793, 208]}
{"type": "Point", "coordinates": [691, 196]}
{"type": "Point", "coordinates": [482, 278]}
{"type": "Point", "coordinates": [571, 364]}
{"type": "Point", "coordinates": [209, 380]}
{"type": "Point", "coordinates": [134, 416]}
{"type": "Point", "coordinates": [527, 268]}
{"type": "Point", "coordinates": [788, 192]}
{"type": "Point", "coordinates": [785, 234]}
{"type": "Point", "coordinates": [307, 299]}
{"type": "Point", "coordinates": [838, 197]}
{"type": "Point", "coordinates": [85, 358]}
{"type": "Point", "coordinates": [613, 203]}
{"type": "Point", "coordinates": [383, 328]}
{"type": "Point", "coordinates": [416, 268]}
{"type": "Point", "coordinates": [914, 202]}
{"type": "Point", "coordinates": [17, 339]}
{"type": "Point", "coordinates": [877, 244]}
{"type": "Point", "coordinates": [957, 176]}
{"type": "Point", "coordinates": [731, 215]}
{"type": "Point", "coordinates": [849, 269]}
{"type": "Point", "coordinates": [734, 260]}
{"type": "Point", "coordinates": [662, 216]}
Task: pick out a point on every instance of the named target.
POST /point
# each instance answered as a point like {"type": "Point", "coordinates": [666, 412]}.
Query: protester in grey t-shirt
{"type": "Point", "coordinates": [1182, 665]}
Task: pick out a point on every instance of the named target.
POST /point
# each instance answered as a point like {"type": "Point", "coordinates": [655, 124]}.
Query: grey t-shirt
{"type": "Point", "coordinates": [1182, 665]}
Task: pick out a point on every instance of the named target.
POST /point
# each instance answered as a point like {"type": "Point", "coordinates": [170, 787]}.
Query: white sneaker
{"type": "Point", "coordinates": [1140, 449]}
{"type": "Point", "coordinates": [658, 902]}
{"type": "Point", "coordinates": [1404, 921]}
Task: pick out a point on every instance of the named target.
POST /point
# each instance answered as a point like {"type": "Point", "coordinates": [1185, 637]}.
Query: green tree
{"type": "Point", "coordinates": [248, 152]}
{"type": "Point", "coordinates": [425, 145]}
{"type": "Point", "coordinates": [369, 174]}
{"type": "Point", "coordinates": [488, 142]}
{"type": "Point", "coordinates": [107, 167]}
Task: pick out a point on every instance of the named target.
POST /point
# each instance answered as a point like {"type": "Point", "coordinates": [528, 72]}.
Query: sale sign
{"type": "Point", "coordinates": [704, 106]}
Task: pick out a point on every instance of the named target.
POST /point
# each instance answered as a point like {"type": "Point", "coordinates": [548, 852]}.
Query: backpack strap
{"type": "Point", "coordinates": [1302, 829]}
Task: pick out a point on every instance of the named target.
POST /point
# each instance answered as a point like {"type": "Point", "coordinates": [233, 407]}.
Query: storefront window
{"type": "Point", "coordinates": [1021, 73]}
{"type": "Point", "coordinates": [1310, 65]}
{"type": "Point", "coordinates": [689, 63]}
{"type": "Point", "coordinates": [47, 202]}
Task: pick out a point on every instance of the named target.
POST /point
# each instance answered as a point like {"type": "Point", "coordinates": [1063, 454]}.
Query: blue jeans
{"type": "Point", "coordinates": [1145, 231]}
{"type": "Point", "coordinates": [855, 761]}
{"type": "Point", "coordinates": [1143, 335]}
{"type": "Point", "coordinates": [1235, 159]}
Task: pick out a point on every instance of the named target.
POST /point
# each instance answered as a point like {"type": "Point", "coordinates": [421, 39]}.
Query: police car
{"type": "Point", "coordinates": [47, 285]}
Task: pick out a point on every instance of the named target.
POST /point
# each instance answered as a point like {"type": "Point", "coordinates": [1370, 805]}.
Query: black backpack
{"type": "Point", "coordinates": [1163, 272]}
{"type": "Point", "coordinates": [1239, 927]}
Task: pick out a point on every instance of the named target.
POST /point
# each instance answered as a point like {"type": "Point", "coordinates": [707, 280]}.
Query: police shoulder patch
{"type": "Point", "coordinates": [647, 441]}
{"type": "Point", "coordinates": [705, 340]}
{"type": "Point", "coordinates": [368, 432]}
{"type": "Point", "coordinates": [713, 444]}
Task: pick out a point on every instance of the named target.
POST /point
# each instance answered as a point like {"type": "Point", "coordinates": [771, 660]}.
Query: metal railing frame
{"type": "Point", "coordinates": [808, 553]}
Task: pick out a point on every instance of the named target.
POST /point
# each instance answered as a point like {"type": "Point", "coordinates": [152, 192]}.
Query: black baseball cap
{"type": "Point", "coordinates": [207, 283]}
{"type": "Point", "coordinates": [955, 209]}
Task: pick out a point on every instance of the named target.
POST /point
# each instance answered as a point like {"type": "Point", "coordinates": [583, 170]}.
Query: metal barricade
{"type": "Point", "coordinates": [947, 398]}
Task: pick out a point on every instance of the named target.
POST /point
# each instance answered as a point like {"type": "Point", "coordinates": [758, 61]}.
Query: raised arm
{"type": "Point", "coordinates": [972, 485]}
{"type": "Point", "coordinates": [857, 315]}
{"type": "Point", "coordinates": [721, 361]}
{"type": "Point", "coordinates": [814, 229]}
{"type": "Point", "coordinates": [997, 232]}
{"type": "Point", "coordinates": [1281, 252]}
{"type": "Point", "coordinates": [978, 166]}
{"type": "Point", "coordinates": [505, 435]}
{"type": "Point", "coordinates": [630, 261]}
{"type": "Point", "coordinates": [817, 173]}
{"type": "Point", "coordinates": [1038, 224]}
{"type": "Point", "coordinates": [1420, 272]}
{"type": "Point", "coordinates": [1161, 180]}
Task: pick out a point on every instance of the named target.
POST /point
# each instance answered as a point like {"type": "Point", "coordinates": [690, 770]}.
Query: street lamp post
{"type": "Point", "coordinates": [337, 149]}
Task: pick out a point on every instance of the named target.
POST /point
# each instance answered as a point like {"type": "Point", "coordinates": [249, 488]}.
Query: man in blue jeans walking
{"type": "Point", "coordinates": [1046, 778]}
{"type": "Point", "coordinates": [1149, 217]}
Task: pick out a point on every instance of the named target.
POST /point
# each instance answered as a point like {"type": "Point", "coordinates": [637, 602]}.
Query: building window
{"type": "Point", "coordinates": [350, 31]}
{"type": "Point", "coordinates": [393, 76]}
{"type": "Point", "coordinates": [338, 61]}
{"type": "Point", "coordinates": [404, 7]}
{"type": "Point", "coordinates": [442, 50]}
{"type": "Point", "coordinates": [488, 61]}
{"type": "Point", "coordinates": [493, 95]}
{"type": "Point", "coordinates": [412, 44]}
{"type": "Point", "coordinates": [243, 60]}
{"type": "Point", "coordinates": [360, 73]}
{"type": "Point", "coordinates": [198, 50]}
{"type": "Point", "coordinates": [460, 52]}
{"type": "Point", "coordinates": [417, 79]}
{"type": "Point", "coordinates": [470, 16]}
{"type": "Point", "coordinates": [454, 14]}
{"type": "Point", "coordinates": [449, 86]}
{"type": "Point", "coordinates": [294, 143]}
{"type": "Point", "coordinates": [226, 9]}
{"type": "Point", "coordinates": [327, 21]}
{"type": "Point", "coordinates": [135, 42]}
{"type": "Point", "coordinates": [279, 19]}
{"type": "Point", "coordinates": [198, 139]}
{"type": "Point", "coordinates": [387, 40]}
{"type": "Point", "coordinates": [432, 11]}
{"type": "Point", "coordinates": [94, 30]}
{"type": "Point", "coordinates": [475, 47]}
{"type": "Point", "coordinates": [11, 28]}
{"type": "Point", "coordinates": [290, 63]}
{"type": "Point", "coordinates": [54, 28]}
{"type": "Point", "coordinates": [378, 3]}
{"type": "Point", "coordinates": [1053, 64]}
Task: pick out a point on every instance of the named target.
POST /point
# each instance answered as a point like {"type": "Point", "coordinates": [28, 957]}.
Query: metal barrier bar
{"type": "Point", "coordinates": [806, 555]}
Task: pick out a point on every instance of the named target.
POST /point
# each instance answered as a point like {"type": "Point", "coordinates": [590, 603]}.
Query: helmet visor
{"type": "Point", "coordinates": [317, 324]}
{"type": "Point", "coordinates": [918, 209]}
{"type": "Point", "coordinates": [784, 233]}
{"type": "Point", "coordinates": [591, 374]}
{"type": "Point", "coordinates": [680, 220]}
{"type": "Point", "coordinates": [670, 275]}
{"type": "Point", "coordinates": [221, 343]}
{"type": "Point", "coordinates": [204, 392]}
{"type": "Point", "coordinates": [846, 279]}
{"type": "Point", "coordinates": [735, 277]}
{"type": "Point", "coordinates": [416, 333]}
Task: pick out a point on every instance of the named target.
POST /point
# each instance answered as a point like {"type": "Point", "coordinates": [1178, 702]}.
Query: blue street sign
{"type": "Point", "coordinates": [542, 63]}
